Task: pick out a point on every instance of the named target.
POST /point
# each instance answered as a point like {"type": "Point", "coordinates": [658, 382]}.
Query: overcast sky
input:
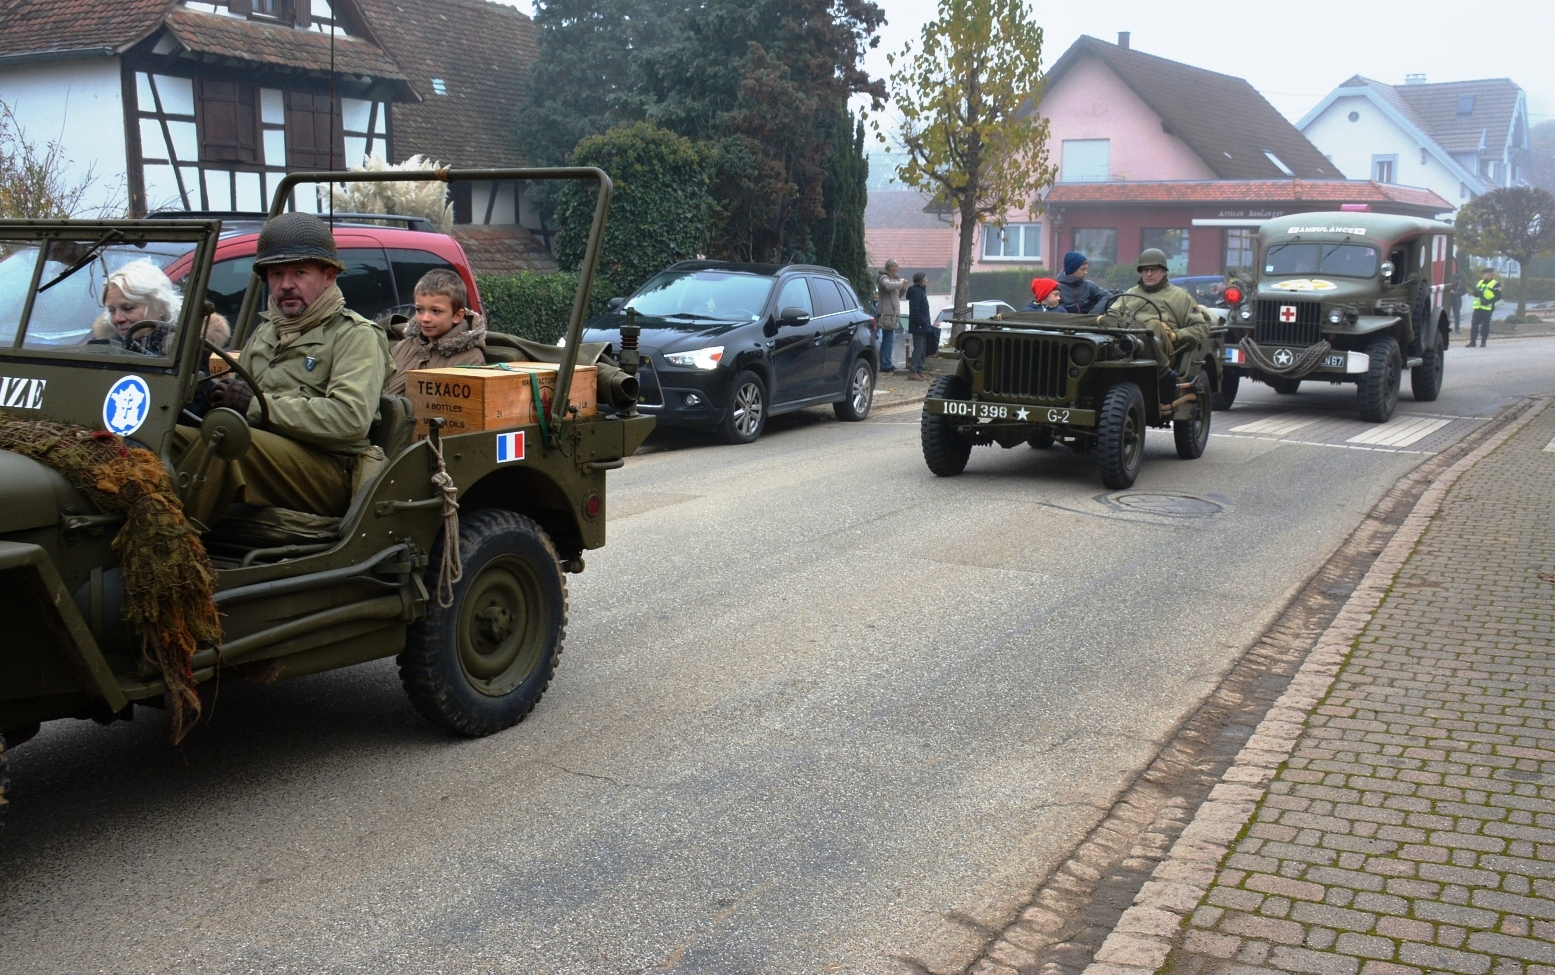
{"type": "Point", "coordinates": [1296, 51]}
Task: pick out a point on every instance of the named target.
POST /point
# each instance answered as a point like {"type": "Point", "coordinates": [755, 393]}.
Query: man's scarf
{"type": "Point", "coordinates": [289, 330]}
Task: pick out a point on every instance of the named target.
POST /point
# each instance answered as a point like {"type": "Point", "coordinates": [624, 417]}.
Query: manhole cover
{"type": "Point", "coordinates": [1167, 504]}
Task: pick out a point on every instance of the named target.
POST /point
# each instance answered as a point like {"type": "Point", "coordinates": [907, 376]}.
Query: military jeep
{"type": "Point", "coordinates": [1343, 298]}
{"type": "Point", "coordinates": [1089, 382]}
{"type": "Point", "coordinates": [296, 593]}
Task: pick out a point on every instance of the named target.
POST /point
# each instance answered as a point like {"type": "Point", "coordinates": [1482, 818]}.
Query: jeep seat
{"type": "Point", "coordinates": [395, 427]}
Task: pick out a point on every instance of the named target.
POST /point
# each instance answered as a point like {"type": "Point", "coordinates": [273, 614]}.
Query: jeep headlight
{"type": "Point", "coordinates": [972, 347]}
{"type": "Point", "coordinates": [707, 358]}
{"type": "Point", "coordinates": [1082, 353]}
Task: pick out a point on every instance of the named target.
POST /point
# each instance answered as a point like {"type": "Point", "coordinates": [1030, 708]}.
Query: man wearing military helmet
{"type": "Point", "coordinates": [321, 368]}
{"type": "Point", "coordinates": [1169, 312]}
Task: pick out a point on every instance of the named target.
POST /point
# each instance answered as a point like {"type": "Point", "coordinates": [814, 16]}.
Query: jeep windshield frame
{"type": "Point", "coordinates": [66, 256]}
{"type": "Point", "coordinates": [603, 188]}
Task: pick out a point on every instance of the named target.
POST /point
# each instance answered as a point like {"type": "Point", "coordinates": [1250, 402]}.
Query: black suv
{"type": "Point", "coordinates": [727, 345]}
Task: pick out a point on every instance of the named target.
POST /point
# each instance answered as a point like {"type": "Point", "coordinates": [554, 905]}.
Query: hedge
{"type": "Point", "coordinates": [533, 305]}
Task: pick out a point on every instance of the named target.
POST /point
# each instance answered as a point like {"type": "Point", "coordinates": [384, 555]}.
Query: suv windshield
{"type": "Point", "coordinates": [1343, 260]}
{"type": "Point", "coordinates": [722, 296]}
{"type": "Point", "coordinates": [96, 295]}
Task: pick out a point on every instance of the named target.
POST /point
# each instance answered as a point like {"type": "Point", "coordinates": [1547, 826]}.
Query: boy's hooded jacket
{"type": "Point", "coordinates": [461, 345]}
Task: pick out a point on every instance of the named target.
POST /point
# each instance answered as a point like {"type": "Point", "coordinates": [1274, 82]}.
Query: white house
{"type": "Point", "coordinates": [1459, 138]}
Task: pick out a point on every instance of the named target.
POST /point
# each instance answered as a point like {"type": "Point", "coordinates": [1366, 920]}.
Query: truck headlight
{"type": "Point", "coordinates": [1336, 316]}
{"type": "Point", "coordinates": [1245, 313]}
{"type": "Point", "coordinates": [707, 358]}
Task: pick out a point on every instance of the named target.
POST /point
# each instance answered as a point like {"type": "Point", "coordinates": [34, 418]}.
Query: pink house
{"type": "Point", "coordinates": [1117, 115]}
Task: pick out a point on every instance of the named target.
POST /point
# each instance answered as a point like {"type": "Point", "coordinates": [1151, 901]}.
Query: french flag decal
{"type": "Point", "coordinates": [510, 446]}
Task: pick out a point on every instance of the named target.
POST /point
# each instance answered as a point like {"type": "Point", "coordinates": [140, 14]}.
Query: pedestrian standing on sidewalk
{"type": "Point", "coordinates": [891, 289]}
{"type": "Point", "coordinates": [1077, 294]}
{"type": "Point", "coordinates": [925, 337]}
{"type": "Point", "coordinates": [1487, 291]}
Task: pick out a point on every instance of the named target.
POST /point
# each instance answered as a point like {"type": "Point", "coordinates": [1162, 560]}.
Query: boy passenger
{"type": "Point", "coordinates": [445, 332]}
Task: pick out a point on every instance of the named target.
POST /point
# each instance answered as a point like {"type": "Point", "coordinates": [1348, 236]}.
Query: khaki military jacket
{"type": "Point", "coordinates": [323, 389]}
{"type": "Point", "coordinates": [1178, 322]}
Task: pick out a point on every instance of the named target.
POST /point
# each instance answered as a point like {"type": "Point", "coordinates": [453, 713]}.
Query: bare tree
{"type": "Point", "coordinates": [1516, 222]}
{"type": "Point", "coordinates": [35, 181]}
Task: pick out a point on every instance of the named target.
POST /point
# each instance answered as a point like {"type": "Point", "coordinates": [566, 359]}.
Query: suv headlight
{"type": "Point", "coordinates": [707, 358]}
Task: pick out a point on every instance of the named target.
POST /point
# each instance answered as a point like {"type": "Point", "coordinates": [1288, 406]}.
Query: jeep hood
{"type": "Point", "coordinates": [34, 496]}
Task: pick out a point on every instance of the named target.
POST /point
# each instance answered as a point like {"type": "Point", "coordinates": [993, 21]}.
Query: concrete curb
{"type": "Point", "coordinates": [1144, 936]}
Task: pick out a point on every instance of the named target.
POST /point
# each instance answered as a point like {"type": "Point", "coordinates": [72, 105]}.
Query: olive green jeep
{"type": "Point", "coordinates": [1089, 382]}
{"type": "Point", "coordinates": [1343, 298]}
{"type": "Point", "coordinates": [296, 593]}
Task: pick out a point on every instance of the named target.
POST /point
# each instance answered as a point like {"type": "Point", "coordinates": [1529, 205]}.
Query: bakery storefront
{"type": "Point", "coordinates": [1205, 227]}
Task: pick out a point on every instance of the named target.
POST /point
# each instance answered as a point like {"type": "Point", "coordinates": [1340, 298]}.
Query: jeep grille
{"type": "Point", "coordinates": [1028, 366]}
{"type": "Point", "coordinates": [1305, 330]}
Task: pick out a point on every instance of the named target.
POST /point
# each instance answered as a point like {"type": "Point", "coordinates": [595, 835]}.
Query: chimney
{"type": "Point", "coordinates": [1414, 79]}
{"type": "Point", "coordinates": [1123, 39]}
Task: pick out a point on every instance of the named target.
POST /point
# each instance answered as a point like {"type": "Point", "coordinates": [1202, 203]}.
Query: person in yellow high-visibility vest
{"type": "Point", "coordinates": [1486, 292]}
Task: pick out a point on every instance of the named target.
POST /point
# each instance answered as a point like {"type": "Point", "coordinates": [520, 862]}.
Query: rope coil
{"type": "Point", "coordinates": [1305, 361]}
{"type": "Point", "coordinates": [452, 568]}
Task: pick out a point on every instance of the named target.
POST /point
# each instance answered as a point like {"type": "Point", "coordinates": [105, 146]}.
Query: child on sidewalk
{"type": "Point", "coordinates": [445, 332]}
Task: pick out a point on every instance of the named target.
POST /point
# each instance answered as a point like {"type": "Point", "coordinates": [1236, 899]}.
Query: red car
{"type": "Point", "coordinates": [383, 265]}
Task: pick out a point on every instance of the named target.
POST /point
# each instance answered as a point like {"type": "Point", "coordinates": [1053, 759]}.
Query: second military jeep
{"type": "Point", "coordinates": [477, 634]}
{"type": "Point", "coordinates": [1086, 381]}
{"type": "Point", "coordinates": [1343, 298]}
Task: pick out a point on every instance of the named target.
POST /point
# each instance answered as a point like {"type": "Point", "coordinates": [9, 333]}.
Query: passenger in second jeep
{"type": "Point", "coordinates": [446, 332]}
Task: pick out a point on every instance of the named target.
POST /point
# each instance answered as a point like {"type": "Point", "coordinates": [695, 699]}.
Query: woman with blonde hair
{"type": "Point", "coordinates": [140, 292]}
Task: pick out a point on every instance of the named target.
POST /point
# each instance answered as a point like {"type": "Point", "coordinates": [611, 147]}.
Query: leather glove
{"type": "Point", "coordinates": [234, 394]}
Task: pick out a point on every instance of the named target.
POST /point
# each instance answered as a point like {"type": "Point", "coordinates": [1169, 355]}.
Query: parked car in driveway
{"type": "Point", "coordinates": [727, 345]}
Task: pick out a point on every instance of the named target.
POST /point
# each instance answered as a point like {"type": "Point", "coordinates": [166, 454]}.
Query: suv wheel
{"type": "Point", "coordinates": [746, 416]}
{"type": "Point", "coordinates": [1425, 380]}
{"type": "Point", "coordinates": [944, 450]}
{"type": "Point", "coordinates": [1285, 387]}
{"type": "Point", "coordinates": [860, 394]}
{"type": "Point", "coordinates": [1230, 379]}
{"type": "Point", "coordinates": [1120, 436]}
{"type": "Point", "coordinates": [1192, 436]}
{"type": "Point", "coordinates": [1378, 389]}
{"type": "Point", "coordinates": [482, 664]}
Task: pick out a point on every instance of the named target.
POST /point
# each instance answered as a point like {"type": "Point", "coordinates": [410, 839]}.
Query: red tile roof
{"type": "Point", "coordinates": [914, 248]}
{"type": "Point", "coordinates": [1223, 119]}
{"type": "Point", "coordinates": [1303, 191]}
{"type": "Point", "coordinates": [481, 51]}
{"type": "Point", "coordinates": [41, 27]}
{"type": "Point", "coordinates": [502, 249]}
{"type": "Point", "coordinates": [260, 43]}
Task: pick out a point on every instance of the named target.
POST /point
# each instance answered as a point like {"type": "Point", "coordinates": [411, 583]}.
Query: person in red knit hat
{"type": "Point", "coordinates": [1045, 296]}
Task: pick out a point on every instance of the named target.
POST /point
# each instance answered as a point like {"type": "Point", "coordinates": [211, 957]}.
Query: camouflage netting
{"type": "Point", "coordinates": [169, 581]}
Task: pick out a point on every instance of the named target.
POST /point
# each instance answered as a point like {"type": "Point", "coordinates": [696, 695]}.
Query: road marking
{"type": "Point", "coordinates": [1319, 443]}
{"type": "Point", "coordinates": [1399, 432]}
{"type": "Point", "coordinates": [1277, 426]}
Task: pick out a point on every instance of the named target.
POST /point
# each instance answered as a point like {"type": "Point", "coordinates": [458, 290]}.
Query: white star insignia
{"type": "Point", "coordinates": [1022, 414]}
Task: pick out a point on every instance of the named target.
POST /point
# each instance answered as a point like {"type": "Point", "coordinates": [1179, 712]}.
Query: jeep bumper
{"type": "Point", "coordinates": [995, 412]}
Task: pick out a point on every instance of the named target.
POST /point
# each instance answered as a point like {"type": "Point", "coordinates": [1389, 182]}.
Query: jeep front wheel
{"type": "Point", "coordinates": [944, 450]}
{"type": "Point", "coordinates": [482, 664]}
{"type": "Point", "coordinates": [1120, 435]}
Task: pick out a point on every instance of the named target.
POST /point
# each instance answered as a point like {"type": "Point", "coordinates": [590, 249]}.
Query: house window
{"type": "Point", "coordinates": [1278, 163]}
{"type": "Point", "coordinates": [1100, 247]}
{"type": "Point", "coordinates": [1012, 242]}
{"type": "Point", "coordinates": [1086, 160]}
{"type": "Point", "coordinates": [1173, 242]}
{"type": "Point", "coordinates": [1465, 106]}
{"type": "Point", "coordinates": [1239, 249]}
{"type": "Point", "coordinates": [1384, 169]}
{"type": "Point", "coordinates": [229, 130]}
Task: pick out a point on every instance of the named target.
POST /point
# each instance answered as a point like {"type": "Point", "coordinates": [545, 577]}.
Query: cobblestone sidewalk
{"type": "Point", "coordinates": [1412, 827]}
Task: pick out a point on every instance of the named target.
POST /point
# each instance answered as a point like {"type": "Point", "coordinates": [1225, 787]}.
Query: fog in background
{"type": "Point", "coordinates": [1295, 51]}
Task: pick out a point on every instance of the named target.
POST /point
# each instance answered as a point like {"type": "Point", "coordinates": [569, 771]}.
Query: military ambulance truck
{"type": "Point", "coordinates": [1343, 298]}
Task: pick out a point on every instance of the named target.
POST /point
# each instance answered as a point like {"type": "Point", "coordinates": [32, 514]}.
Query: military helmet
{"type": "Point", "coordinates": [1152, 257]}
{"type": "Point", "coordinates": [296, 236]}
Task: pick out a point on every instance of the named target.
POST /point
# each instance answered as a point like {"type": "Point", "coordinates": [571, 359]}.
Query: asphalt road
{"type": "Point", "coordinates": [819, 711]}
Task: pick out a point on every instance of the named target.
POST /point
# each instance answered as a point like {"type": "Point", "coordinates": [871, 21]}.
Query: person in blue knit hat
{"type": "Point", "coordinates": [1079, 295]}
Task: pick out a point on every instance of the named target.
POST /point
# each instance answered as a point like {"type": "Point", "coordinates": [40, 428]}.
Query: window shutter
{"type": "Point", "coordinates": [240, 8]}
{"type": "Point", "coordinates": [228, 124]}
{"type": "Point", "coordinates": [302, 13]}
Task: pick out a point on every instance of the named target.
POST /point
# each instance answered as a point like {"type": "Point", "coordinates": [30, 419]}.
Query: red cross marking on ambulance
{"type": "Point", "coordinates": [1287, 313]}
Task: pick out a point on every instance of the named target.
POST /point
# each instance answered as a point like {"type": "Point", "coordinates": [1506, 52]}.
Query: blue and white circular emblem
{"type": "Point", "coordinates": [127, 405]}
